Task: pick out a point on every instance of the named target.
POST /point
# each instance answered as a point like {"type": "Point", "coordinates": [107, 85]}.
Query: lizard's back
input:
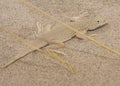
{"type": "Point", "coordinates": [61, 33]}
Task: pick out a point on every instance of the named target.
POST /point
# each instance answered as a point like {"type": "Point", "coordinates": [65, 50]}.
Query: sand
{"type": "Point", "coordinates": [93, 66]}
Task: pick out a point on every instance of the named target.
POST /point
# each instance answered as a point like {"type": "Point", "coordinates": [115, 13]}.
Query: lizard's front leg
{"type": "Point", "coordinates": [84, 32]}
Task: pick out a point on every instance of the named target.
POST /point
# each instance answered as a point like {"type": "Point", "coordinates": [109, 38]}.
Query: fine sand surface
{"type": "Point", "coordinates": [93, 65]}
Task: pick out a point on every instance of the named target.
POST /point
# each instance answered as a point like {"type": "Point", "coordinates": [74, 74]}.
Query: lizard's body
{"type": "Point", "coordinates": [61, 34]}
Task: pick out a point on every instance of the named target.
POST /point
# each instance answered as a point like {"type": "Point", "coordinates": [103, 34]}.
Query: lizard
{"type": "Point", "coordinates": [57, 33]}
{"type": "Point", "coordinates": [75, 30]}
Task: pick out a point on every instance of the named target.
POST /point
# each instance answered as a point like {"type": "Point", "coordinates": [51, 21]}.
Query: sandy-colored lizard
{"type": "Point", "coordinates": [39, 10]}
{"type": "Point", "coordinates": [58, 33]}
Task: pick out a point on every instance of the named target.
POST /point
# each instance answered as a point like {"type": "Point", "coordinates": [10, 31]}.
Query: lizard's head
{"type": "Point", "coordinates": [97, 23]}
{"type": "Point", "coordinates": [88, 22]}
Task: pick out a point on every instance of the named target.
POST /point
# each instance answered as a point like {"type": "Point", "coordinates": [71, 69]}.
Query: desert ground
{"type": "Point", "coordinates": [93, 65]}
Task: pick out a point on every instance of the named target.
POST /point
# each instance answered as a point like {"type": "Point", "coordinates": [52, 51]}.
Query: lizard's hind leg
{"type": "Point", "coordinates": [54, 45]}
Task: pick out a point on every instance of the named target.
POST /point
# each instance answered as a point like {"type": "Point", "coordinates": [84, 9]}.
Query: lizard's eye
{"type": "Point", "coordinates": [98, 21]}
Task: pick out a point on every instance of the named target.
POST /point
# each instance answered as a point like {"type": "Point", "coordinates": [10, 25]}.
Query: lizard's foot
{"type": "Point", "coordinates": [79, 36]}
{"type": "Point", "coordinates": [56, 51]}
{"type": "Point", "coordinates": [93, 35]}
